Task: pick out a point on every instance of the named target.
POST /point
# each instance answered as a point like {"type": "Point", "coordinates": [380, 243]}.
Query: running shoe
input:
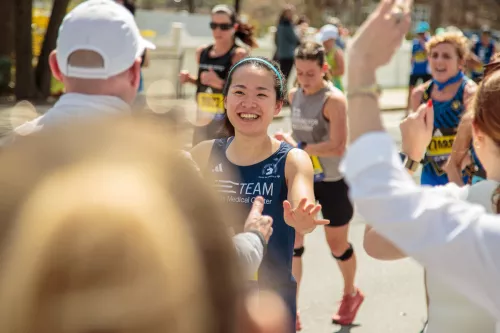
{"type": "Point", "coordinates": [348, 309]}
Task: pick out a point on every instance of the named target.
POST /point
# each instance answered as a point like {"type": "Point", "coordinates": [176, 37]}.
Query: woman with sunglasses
{"type": "Point", "coordinates": [214, 61]}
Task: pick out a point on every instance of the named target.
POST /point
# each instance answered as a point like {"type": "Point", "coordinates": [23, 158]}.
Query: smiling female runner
{"type": "Point", "coordinates": [250, 163]}
{"type": "Point", "coordinates": [319, 126]}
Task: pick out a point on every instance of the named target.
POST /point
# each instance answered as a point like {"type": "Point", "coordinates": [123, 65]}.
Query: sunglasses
{"type": "Point", "coordinates": [221, 26]}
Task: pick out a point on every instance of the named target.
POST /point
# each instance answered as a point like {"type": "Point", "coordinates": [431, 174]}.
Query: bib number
{"type": "Point", "coordinates": [319, 174]}
{"type": "Point", "coordinates": [439, 150]}
{"type": "Point", "coordinates": [211, 103]}
{"type": "Point", "coordinates": [420, 57]}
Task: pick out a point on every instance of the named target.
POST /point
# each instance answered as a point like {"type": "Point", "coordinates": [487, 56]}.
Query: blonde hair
{"type": "Point", "coordinates": [458, 40]}
{"type": "Point", "coordinates": [99, 236]}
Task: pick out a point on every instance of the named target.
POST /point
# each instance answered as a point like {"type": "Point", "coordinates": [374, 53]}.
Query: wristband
{"type": "Point", "coordinates": [408, 162]}
{"type": "Point", "coordinates": [374, 91]}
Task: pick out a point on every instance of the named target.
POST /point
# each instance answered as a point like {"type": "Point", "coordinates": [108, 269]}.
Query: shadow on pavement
{"type": "Point", "coordinates": [347, 328]}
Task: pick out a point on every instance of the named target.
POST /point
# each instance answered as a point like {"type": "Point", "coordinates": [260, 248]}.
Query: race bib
{"type": "Point", "coordinates": [420, 57]}
{"type": "Point", "coordinates": [439, 150]}
{"type": "Point", "coordinates": [440, 145]}
{"type": "Point", "coordinates": [211, 103]}
{"type": "Point", "coordinates": [319, 174]}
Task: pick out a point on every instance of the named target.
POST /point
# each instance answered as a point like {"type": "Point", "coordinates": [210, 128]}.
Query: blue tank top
{"type": "Point", "coordinates": [239, 185]}
{"type": "Point", "coordinates": [419, 56]}
{"type": "Point", "coordinates": [484, 53]}
{"type": "Point", "coordinates": [447, 117]}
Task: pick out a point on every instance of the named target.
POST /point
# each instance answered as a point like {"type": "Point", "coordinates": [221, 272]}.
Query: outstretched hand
{"type": "Point", "coordinates": [303, 218]}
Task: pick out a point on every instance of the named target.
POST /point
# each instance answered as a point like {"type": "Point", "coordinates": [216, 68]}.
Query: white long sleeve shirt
{"type": "Point", "coordinates": [456, 240]}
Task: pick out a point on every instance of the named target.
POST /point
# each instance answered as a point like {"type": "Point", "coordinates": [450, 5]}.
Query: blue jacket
{"type": "Point", "coordinates": [286, 40]}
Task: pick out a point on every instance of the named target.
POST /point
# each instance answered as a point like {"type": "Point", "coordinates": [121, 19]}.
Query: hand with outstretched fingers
{"type": "Point", "coordinates": [303, 218]}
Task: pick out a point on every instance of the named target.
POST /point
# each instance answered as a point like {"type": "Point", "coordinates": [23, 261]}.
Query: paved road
{"type": "Point", "coordinates": [395, 300]}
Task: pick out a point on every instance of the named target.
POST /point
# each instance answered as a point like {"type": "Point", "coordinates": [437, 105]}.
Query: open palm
{"type": "Point", "coordinates": [303, 217]}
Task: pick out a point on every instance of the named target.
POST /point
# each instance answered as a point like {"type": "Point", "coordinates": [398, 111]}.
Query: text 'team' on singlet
{"type": "Point", "coordinates": [239, 185]}
{"type": "Point", "coordinates": [309, 125]}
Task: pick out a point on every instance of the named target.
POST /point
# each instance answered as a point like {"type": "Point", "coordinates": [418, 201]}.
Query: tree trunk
{"type": "Point", "coordinates": [25, 78]}
{"type": "Point", "coordinates": [43, 75]}
{"type": "Point", "coordinates": [7, 27]}
{"type": "Point", "coordinates": [7, 44]}
{"type": "Point", "coordinates": [191, 6]}
{"type": "Point", "coordinates": [237, 6]}
{"type": "Point", "coordinates": [436, 14]}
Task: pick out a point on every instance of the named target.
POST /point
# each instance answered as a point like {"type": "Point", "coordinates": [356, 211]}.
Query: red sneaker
{"type": "Point", "coordinates": [298, 324]}
{"type": "Point", "coordinates": [348, 309]}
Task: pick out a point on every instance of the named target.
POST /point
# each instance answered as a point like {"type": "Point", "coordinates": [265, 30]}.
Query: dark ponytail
{"type": "Point", "coordinates": [245, 33]}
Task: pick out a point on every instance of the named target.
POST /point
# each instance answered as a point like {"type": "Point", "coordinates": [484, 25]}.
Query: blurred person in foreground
{"type": "Point", "coordinates": [452, 239]}
{"type": "Point", "coordinates": [98, 58]}
{"type": "Point", "coordinates": [115, 233]}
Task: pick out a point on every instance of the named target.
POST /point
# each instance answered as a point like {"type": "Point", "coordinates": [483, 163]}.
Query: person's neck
{"type": "Point", "coordinates": [97, 93]}
{"type": "Point", "coordinates": [314, 90]}
{"type": "Point", "coordinates": [452, 88]}
{"type": "Point", "coordinates": [222, 47]}
{"type": "Point", "coordinates": [493, 173]}
{"type": "Point", "coordinates": [248, 150]}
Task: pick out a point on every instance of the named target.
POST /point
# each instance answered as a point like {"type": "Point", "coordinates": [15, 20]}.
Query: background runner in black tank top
{"type": "Point", "coordinates": [209, 99]}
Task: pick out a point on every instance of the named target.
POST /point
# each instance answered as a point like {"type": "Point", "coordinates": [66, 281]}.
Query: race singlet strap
{"type": "Point", "coordinates": [427, 93]}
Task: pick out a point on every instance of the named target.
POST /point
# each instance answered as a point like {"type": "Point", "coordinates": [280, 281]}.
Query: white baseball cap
{"type": "Point", "coordinates": [105, 27]}
{"type": "Point", "coordinates": [328, 32]}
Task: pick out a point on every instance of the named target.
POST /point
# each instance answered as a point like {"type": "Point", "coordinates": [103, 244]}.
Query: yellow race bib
{"type": "Point", "coordinates": [210, 102]}
{"type": "Point", "coordinates": [420, 57]}
{"type": "Point", "coordinates": [440, 145]}
{"type": "Point", "coordinates": [319, 173]}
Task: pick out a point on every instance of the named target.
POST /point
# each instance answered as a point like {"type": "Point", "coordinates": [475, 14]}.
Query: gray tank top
{"type": "Point", "coordinates": [309, 125]}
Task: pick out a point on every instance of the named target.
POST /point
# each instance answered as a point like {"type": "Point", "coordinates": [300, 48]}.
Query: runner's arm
{"type": "Point", "coordinates": [462, 143]}
{"type": "Point", "coordinates": [299, 175]}
{"type": "Point", "coordinates": [339, 61]}
{"type": "Point", "coordinates": [335, 111]}
{"type": "Point", "coordinates": [192, 78]}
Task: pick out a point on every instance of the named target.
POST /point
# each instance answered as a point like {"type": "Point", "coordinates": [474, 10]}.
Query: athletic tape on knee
{"type": "Point", "coordinates": [346, 255]}
{"type": "Point", "coordinates": [298, 252]}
